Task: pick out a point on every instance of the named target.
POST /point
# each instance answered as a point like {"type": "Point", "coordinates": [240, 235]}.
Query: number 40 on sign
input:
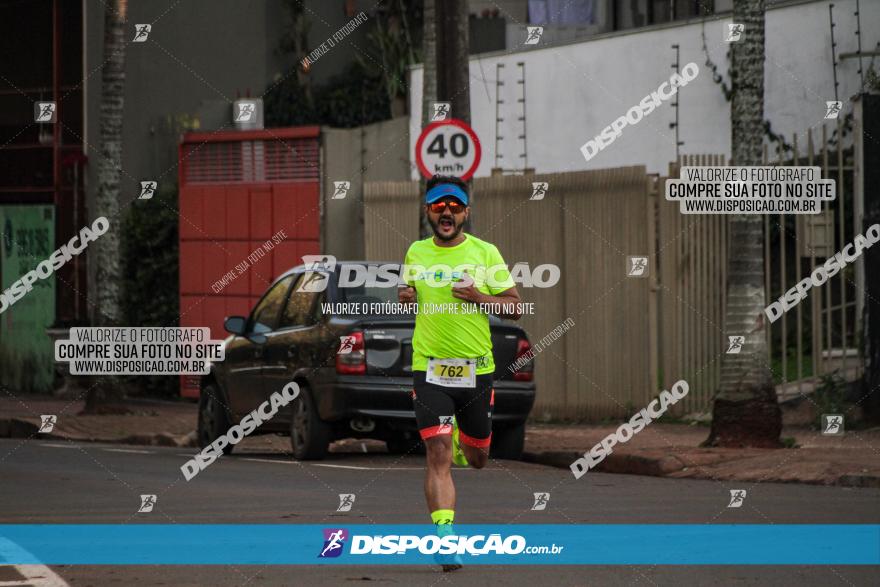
{"type": "Point", "coordinates": [448, 147]}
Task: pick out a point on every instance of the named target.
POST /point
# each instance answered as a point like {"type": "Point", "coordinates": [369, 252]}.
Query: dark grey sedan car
{"type": "Point", "coordinates": [362, 393]}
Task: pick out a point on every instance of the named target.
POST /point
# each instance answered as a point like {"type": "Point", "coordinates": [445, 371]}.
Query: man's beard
{"type": "Point", "coordinates": [436, 227]}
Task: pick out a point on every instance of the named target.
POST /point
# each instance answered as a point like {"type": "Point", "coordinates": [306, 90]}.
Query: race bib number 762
{"type": "Point", "coordinates": [452, 372]}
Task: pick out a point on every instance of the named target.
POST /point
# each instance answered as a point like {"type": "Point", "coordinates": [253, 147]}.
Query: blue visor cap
{"type": "Point", "coordinates": [446, 189]}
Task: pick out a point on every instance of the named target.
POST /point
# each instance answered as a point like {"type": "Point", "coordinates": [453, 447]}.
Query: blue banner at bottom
{"type": "Point", "coordinates": [524, 544]}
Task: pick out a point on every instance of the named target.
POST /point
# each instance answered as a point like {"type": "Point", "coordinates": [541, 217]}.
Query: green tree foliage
{"type": "Point", "coordinates": [365, 91]}
{"type": "Point", "coordinates": [347, 100]}
{"type": "Point", "coordinates": [351, 99]}
{"type": "Point", "coordinates": [150, 274]}
{"type": "Point", "coordinates": [392, 46]}
{"type": "Point", "coordinates": [287, 104]}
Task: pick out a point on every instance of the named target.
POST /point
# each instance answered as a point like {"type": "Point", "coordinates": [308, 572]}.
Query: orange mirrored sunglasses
{"type": "Point", "coordinates": [439, 207]}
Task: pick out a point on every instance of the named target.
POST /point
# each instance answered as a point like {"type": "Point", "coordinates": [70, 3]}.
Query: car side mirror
{"type": "Point", "coordinates": [235, 325]}
{"type": "Point", "coordinates": [257, 338]}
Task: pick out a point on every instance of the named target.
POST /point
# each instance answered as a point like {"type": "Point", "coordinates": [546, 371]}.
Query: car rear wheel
{"type": "Point", "coordinates": [309, 435]}
{"type": "Point", "coordinates": [214, 418]}
{"type": "Point", "coordinates": [508, 442]}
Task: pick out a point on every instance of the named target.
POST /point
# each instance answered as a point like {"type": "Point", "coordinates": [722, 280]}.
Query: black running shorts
{"type": "Point", "coordinates": [472, 407]}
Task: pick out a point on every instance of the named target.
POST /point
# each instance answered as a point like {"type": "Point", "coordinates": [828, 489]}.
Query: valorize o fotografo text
{"type": "Point", "coordinates": [750, 190]}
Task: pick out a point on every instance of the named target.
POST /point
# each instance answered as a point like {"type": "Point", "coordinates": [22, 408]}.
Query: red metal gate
{"type": "Point", "coordinates": [237, 191]}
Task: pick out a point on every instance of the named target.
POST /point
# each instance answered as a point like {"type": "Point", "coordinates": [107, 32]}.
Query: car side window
{"type": "Point", "coordinates": [264, 318]}
{"type": "Point", "coordinates": [299, 310]}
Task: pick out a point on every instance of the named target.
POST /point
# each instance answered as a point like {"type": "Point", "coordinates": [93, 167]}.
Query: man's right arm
{"type": "Point", "coordinates": [406, 293]}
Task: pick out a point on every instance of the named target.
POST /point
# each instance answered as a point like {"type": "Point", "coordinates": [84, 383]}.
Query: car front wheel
{"type": "Point", "coordinates": [214, 420]}
{"type": "Point", "coordinates": [309, 435]}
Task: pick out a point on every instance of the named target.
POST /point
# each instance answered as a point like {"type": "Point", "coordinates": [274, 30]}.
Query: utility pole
{"type": "Point", "coordinates": [446, 76]}
{"type": "Point", "coordinates": [446, 49]}
{"type": "Point", "coordinates": [453, 47]}
{"type": "Point", "coordinates": [429, 91]}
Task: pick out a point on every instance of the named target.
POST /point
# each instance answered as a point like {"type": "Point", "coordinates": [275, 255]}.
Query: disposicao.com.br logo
{"type": "Point", "coordinates": [334, 542]}
{"type": "Point", "coordinates": [429, 544]}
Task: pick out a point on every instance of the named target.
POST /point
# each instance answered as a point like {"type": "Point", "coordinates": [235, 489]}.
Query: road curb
{"type": "Point", "coordinates": [621, 463]}
{"type": "Point", "coordinates": [26, 429]}
{"type": "Point", "coordinates": [667, 466]}
{"type": "Point", "coordinates": [859, 481]}
{"type": "Point", "coordinates": [18, 428]}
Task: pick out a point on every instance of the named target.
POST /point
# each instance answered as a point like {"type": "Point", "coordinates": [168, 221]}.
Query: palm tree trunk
{"type": "Point", "coordinates": [106, 391]}
{"type": "Point", "coordinates": [746, 412]}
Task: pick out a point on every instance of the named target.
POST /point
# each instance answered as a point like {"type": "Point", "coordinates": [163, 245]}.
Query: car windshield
{"type": "Point", "coordinates": [375, 298]}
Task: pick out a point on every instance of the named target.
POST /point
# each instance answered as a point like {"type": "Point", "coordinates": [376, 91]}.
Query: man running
{"type": "Point", "coordinates": [452, 350]}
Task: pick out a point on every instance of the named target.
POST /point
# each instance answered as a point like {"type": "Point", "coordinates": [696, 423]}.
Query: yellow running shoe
{"type": "Point", "coordinates": [457, 454]}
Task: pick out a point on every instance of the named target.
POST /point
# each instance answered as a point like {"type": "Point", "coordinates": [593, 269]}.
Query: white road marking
{"type": "Point", "coordinates": [51, 445]}
{"type": "Point", "coordinates": [352, 467]}
{"type": "Point", "coordinates": [369, 468]}
{"type": "Point", "coordinates": [36, 575]}
{"type": "Point", "coordinates": [131, 450]}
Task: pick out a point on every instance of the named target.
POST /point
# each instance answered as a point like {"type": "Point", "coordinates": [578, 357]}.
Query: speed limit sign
{"type": "Point", "coordinates": [448, 147]}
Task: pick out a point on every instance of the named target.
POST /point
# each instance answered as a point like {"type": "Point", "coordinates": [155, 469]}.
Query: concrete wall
{"type": "Point", "coordinates": [380, 150]}
{"type": "Point", "coordinates": [325, 18]}
{"type": "Point", "coordinates": [200, 56]}
{"type": "Point", "coordinates": [198, 51]}
{"type": "Point", "coordinates": [574, 91]}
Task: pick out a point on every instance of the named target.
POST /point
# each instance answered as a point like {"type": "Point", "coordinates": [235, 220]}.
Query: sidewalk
{"type": "Point", "coordinates": [665, 450]}
{"type": "Point", "coordinates": [151, 422]}
{"type": "Point", "coordinates": [673, 450]}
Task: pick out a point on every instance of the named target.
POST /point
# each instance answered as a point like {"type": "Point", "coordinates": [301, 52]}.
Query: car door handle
{"type": "Point", "coordinates": [258, 352]}
{"type": "Point", "coordinates": [291, 352]}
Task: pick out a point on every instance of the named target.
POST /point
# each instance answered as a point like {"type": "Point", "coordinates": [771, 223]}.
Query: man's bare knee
{"type": "Point", "coordinates": [438, 451]}
{"type": "Point", "coordinates": [476, 457]}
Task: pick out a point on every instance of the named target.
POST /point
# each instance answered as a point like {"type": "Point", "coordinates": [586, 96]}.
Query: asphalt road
{"type": "Point", "coordinates": [66, 482]}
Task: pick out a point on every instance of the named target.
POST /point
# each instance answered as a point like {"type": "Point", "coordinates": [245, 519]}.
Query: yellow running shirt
{"type": "Point", "coordinates": [446, 327]}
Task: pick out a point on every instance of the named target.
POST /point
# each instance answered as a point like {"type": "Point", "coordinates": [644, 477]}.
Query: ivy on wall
{"type": "Point", "coordinates": [872, 83]}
